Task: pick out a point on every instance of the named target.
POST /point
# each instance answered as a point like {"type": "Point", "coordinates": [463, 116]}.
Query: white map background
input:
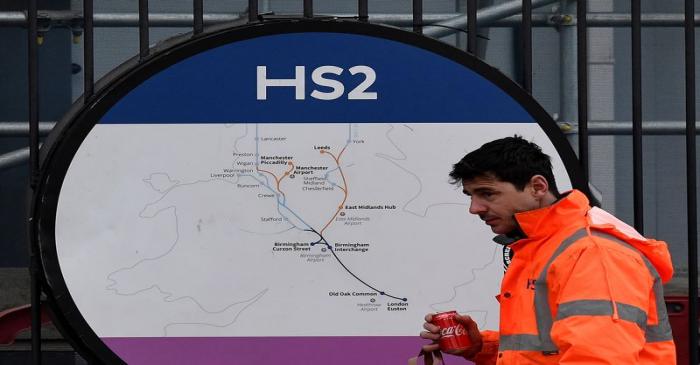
{"type": "Point", "coordinates": [152, 242]}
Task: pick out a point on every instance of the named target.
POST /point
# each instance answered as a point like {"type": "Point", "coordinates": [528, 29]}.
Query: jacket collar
{"type": "Point", "coordinates": [543, 222]}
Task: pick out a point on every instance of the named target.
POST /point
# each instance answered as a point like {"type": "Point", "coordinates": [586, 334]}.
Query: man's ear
{"type": "Point", "coordinates": [539, 185]}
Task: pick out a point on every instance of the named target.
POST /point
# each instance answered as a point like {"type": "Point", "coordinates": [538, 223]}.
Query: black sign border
{"type": "Point", "coordinates": [62, 144]}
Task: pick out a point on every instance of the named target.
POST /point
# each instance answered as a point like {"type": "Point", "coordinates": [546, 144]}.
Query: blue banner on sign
{"type": "Point", "coordinates": [317, 78]}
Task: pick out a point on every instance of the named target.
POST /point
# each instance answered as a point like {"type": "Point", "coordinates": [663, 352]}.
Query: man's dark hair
{"type": "Point", "coordinates": [510, 159]}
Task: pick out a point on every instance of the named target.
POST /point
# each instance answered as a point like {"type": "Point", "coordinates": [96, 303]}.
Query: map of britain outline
{"type": "Point", "coordinates": [322, 229]}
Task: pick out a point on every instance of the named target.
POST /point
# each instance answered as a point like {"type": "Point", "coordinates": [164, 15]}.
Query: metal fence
{"type": "Point", "coordinates": [509, 14]}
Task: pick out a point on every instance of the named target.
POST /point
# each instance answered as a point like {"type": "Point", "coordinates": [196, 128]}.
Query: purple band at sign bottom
{"type": "Point", "coordinates": [267, 350]}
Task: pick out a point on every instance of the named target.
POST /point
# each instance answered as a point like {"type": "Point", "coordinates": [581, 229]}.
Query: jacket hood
{"type": "Point", "coordinates": [655, 251]}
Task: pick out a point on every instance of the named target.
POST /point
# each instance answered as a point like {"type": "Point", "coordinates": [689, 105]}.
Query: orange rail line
{"type": "Point", "coordinates": [340, 154]}
{"type": "Point", "coordinates": [279, 180]}
{"type": "Point", "coordinates": [273, 175]}
{"type": "Point", "coordinates": [286, 173]}
{"type": "Point", "coordinates": [344, 189]}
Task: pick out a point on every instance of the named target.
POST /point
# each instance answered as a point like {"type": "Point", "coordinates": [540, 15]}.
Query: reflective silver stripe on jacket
{"type": "Point", "coordinates": [542, 311]}
{"type": "Point", "coordinates": [662, 331]}
{"type": "Point", "coordinates": [522, 342]}
{"type": "Point", "coordinates": [589, 307]}
{"type": "Point", "coordinates": [543, 341]}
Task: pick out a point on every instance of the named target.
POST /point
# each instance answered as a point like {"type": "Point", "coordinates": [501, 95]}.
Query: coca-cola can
{"type": "Point", "coordinates": [453, 335]}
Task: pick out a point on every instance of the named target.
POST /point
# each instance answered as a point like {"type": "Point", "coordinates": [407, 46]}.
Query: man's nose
{"type": "Point", "coordinates": [475, 207]}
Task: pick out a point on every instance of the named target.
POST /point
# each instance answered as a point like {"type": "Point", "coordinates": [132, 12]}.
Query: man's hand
{"type": "Point", "coordinates": [432, 332]}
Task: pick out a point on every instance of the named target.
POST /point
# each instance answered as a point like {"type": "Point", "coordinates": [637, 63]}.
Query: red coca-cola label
{"type": "Point", "coordinates": [457, 330]}
{"type": "Point", "coordinates": [453, 335]}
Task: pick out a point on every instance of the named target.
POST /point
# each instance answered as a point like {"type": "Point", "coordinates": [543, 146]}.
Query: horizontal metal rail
{"type": "Point", "coordinates": [21, 129]}
{"type": "Point", "coordinates": [600, 128]}
{"type": "Point", "coordinates": [14, 158]}
{"type": "Point", "coordinates": [484, 17]}
{"type": "Point", "coordinates": [611, 128]}
{"type": "Point", "coordinates": [74, 20]}
{"type": "Point", "coordinates": [648, 20]}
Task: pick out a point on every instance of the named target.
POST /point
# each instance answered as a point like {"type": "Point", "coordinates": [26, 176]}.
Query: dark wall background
{"type": "Point", "coordinates": [54, 100]}
{"type": "Point", "coordinates": [663, 99]}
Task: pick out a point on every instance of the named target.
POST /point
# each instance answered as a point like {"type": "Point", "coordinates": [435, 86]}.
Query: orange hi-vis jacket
{"type": "Point", "coordinates": [583, 288]}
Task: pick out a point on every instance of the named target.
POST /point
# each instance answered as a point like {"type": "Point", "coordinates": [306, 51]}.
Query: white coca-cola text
{"type": "Point", "coordinates": [457, 330]}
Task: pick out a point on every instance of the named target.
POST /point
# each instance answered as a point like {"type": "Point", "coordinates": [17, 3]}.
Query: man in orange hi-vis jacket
{"type": "Point", "coordinates": [582, 286]}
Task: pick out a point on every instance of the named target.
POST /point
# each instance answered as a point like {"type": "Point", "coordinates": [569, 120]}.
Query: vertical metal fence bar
{"type": "Point", "coordinates": [143, 28]}
{"type": "Point", "coordinates": [690, 148]}
{"type": "Point", "coordinates": [33, 78]}
{"type": "Point", "coordinates": [252, 10]}
{"type": "Point", "coordinates": [198, 15]}
{"type": "Point", "coordinates": [471, 26]}
{"type": "Point", "coordinates": [418, 16]}
{"type": "Point", "coordinates": [88, 51]}
{"type": "Point", "coordinates": [568, 90]}
{"type": "Point", "coordinates": [526, 44]}
{"type": "Point", "coordinates": [582, 77]}
{"type": "Point", "coordinates": [363, 10]}
{"type": "Point", "coordinates": [637, 116]}
{"type": "Point", "coordinates": [308, 9]}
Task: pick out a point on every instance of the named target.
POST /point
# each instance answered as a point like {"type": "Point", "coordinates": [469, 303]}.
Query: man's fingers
{"type": "Point", "coordinates": [430, 336]}
{"type": "Point", "coordinates": [472, 331]}
{"type": "Point", "coordinates": [464, 319]}
{"type": "Point", "coordinates": [431, 327]}
{"type": "Point", "coordinates": [432, 332]}
{"type": "Point", "coordinates": [469, 325]}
